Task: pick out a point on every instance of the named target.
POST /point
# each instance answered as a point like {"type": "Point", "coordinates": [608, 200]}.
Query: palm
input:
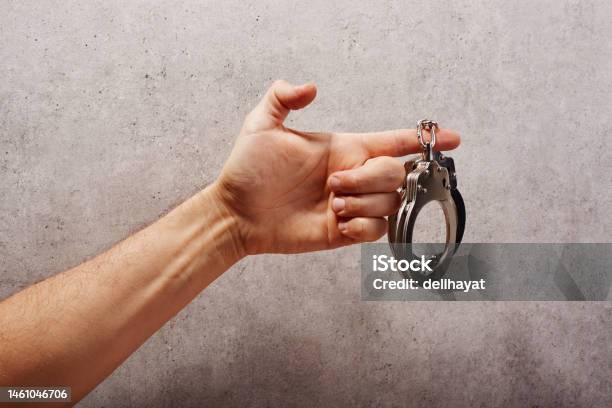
{"type": "Point", "coordinates": [280, 176]}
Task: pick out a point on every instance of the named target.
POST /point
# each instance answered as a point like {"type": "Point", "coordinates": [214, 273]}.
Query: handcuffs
{"type": "Point", "coordinates": [429, 178]}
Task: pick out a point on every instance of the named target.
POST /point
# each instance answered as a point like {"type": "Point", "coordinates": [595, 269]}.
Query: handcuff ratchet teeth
{"type": "Point", "coordinates": [429, 178]}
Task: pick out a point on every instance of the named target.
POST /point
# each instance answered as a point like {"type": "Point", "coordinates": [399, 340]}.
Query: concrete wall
{"type": "Point", "coordinates": [111, 112]}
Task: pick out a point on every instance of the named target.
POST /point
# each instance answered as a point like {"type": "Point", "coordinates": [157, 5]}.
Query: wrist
{"type": "Point", "coordinates": [228, 239]}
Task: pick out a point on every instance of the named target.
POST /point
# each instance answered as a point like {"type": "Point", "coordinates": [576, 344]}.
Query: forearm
{"type": "Point", "coordinates": [77, 327]}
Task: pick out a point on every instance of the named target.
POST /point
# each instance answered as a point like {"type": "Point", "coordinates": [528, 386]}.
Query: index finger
{"type": "Point", "coordinates": [401, 142]}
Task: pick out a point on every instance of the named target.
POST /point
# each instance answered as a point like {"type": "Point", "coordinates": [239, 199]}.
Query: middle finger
{"type": "Point", "coordinates": [379, 175]}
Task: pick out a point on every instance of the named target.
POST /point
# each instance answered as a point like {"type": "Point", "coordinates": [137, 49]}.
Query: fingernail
{"type": "Point", "coordinates": [338, 204]}
{"type": "Point", "coordinates": [334, 182]}
{"type": "Point", "coordinates": [342, 226]}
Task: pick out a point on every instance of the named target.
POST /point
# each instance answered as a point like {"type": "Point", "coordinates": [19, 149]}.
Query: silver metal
{"type": "Point", "coordinates": [430, 178]}
{"type": "Point", "coordinates": [431, 126]}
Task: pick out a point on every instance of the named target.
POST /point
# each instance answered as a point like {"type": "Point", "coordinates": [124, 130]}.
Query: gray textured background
{"type": "Point", "coordinates": [112, 112]}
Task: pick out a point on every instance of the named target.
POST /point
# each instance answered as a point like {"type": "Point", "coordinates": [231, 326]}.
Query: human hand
{"type": "Point", "coordinates": [291, 191]}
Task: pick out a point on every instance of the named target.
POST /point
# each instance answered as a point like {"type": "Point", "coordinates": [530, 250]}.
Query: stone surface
{"type": "Point", "coordinates": [112, 112]}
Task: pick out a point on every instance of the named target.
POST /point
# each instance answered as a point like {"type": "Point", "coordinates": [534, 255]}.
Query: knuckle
{"type": "Point", "coordinates": [351, 181]}
{"type": "Point", "coordinates": [390, 171]}
{"type": "Point", "coordinates": [360, 227]}
{"type": "Point", "coordinates": [387, 160]}
{"type": "Point", "coordinates": [402, 142]}
{"type": "Point", "coordinates": [357, 227]}
{"type": "Point", "coordinates": [392, 181]}
{"type": "Point", "coordinates": [351, 205]}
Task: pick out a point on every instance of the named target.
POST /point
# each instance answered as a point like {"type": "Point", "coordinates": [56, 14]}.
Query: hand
{"type": "Point", "coordinates": [293, 191]}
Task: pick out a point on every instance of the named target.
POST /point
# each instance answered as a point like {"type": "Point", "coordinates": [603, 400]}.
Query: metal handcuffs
{"type": "Point", "coordinates": [430, 178]}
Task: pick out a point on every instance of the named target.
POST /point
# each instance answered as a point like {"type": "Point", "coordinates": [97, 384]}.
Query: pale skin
{"type": "Point", "coordinates": [280, 191]}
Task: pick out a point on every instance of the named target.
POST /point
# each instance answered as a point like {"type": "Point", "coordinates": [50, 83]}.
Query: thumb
{"type": "Point", "coordinates": [278, 101]}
